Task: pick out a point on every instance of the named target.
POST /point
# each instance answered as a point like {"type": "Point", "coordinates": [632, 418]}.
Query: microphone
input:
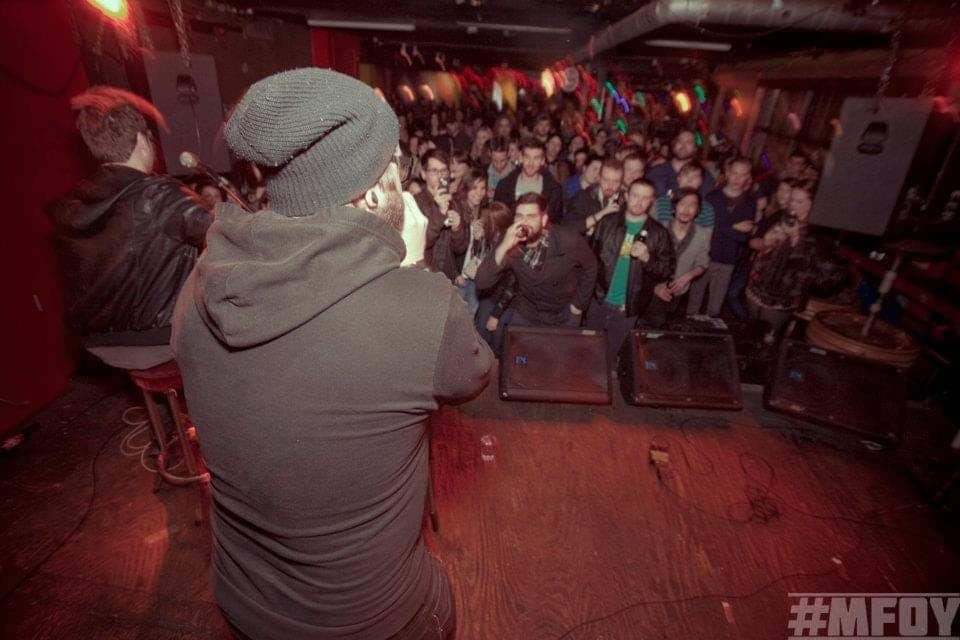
{"type": "Point", "coordinates": [190, 160]}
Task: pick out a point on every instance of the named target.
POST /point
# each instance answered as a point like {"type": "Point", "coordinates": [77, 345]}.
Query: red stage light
{"type": "Point", "coordinates": [114, 9]}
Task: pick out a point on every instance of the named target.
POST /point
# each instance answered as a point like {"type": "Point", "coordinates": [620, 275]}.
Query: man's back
{"type": "Point", "coordinates": [127, 242]}
{"type": "Point", "coordinates": [311, 365]}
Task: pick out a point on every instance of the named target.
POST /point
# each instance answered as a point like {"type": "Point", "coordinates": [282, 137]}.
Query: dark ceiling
{"type": "Point", "coordinates": [534, 33]}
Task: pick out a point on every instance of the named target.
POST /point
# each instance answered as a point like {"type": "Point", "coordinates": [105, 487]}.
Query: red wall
{"type": "Point", "coordinates": [44, 158]}
{"type": "Point", "coordinates": [336, 50]}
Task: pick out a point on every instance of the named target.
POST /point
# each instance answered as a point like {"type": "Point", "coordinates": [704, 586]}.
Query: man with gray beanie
{"type": "Point", "coordinates": [311, 363]}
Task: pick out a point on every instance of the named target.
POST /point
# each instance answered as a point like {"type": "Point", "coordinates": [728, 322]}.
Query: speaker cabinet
{"type": "Point", "coordinates": [882, 164]}
{"type": "Point", "coordinates": [680, 369]}
{"type": "Point", "coordinates": [838, 390]}
{"type": "Point", "coordinates": [189, 99]}
{"type": "Point", "coordinates": [555, 365]}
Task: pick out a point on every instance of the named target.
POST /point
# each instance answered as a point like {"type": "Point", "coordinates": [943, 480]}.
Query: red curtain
{"type": "Point", "coordinates": [336, 50]}
{"type": "Point", "coordinates": [41, 71]}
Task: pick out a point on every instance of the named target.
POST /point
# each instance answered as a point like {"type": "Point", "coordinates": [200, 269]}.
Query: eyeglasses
{"type": "Point", "coordinates": [438, 172]}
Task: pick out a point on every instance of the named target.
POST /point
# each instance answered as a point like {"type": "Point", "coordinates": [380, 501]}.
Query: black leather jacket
{"type": "Point", "coordinates": [607, 240]}
{"type": "Point", "coordinates": [127, 241]}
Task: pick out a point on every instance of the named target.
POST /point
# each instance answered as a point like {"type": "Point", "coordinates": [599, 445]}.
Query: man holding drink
{"type": "Point", "coordinates": [554, 267]}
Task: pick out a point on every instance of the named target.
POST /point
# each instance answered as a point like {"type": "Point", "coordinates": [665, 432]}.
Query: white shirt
{"type": "Point", "coordinates": [414, 232]}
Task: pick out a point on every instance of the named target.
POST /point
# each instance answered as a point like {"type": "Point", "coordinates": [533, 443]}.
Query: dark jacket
{"type": "Point", "coordinates": [607, 241]}
{"type": "Point", "coordinates": [582, 206]}
{"type": "Point", "coordinates": [507, 193]}
{"type": "Point", "coordinates": [727, 244]}
{"type": "Point", "coordinates": [311, 364]}
{"type": "Point", "coordinates": [566, 276]}
{"type": "Point", "coordinates": [445, 247]}
{"type": "Point", "coordinates": [664, 179]}
{"type": "Point", "coordinates": [127, 241]}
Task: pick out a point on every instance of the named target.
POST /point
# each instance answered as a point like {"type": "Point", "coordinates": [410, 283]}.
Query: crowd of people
{"type": "Point", "coordinates": [537, 224]}
{"type": "Point", "coordinates": [369, 279]}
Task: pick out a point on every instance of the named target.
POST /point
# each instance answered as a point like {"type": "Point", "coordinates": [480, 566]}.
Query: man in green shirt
{"type": "Point", "coordinates": [634, 253]}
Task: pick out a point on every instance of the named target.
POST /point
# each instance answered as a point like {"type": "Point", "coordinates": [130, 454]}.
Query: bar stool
{"type": "Point", "coordinates": [164, 380]}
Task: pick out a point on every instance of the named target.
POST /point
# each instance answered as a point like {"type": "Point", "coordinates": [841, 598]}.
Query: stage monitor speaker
{"type": "Point", "coordinates": [555, 365]}
{"type": "Point", "coordinates": [680, 369]}
{"type": "Point", "coordinates": [189, 99]}
{"type": "Point", "coordinates": [838, 390]}
{"type": "Point", "coordinates": [882, 165]}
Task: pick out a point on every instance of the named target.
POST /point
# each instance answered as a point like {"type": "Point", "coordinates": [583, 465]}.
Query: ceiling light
{"type": "Point", "coordinates": [366, 26]}
{"type": "Point", "coordinates": [516, 28]}
{"type": "Point", "coordinates": [690, 44]}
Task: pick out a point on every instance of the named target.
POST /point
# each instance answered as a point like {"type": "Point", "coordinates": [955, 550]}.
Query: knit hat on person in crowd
{"type": "Point", "coordinates": [328, 135]}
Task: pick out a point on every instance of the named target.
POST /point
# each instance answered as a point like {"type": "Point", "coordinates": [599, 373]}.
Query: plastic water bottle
{"type": "Point", "coordinates": [488, 447]}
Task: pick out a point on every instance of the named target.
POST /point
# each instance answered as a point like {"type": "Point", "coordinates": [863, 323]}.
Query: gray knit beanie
{"type": "Point", "coordinates": [328, 134]}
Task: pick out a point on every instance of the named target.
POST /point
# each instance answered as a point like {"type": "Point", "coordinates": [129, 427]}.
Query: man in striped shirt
{"type": "Point", "coordinates": [690, 176]}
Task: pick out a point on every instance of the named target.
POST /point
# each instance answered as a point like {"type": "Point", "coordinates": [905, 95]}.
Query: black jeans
{"type": "Point", "coordinates": [660, 312]}
{"type": "Point", "coordinates": [607, 317]}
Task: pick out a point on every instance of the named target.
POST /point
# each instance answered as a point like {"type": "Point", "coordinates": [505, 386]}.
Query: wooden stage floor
{"type": "Point", "coordinates": [568, 533]}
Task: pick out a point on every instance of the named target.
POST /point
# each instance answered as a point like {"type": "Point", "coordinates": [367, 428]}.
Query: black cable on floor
{"type": "Point", "coordinates": [77, 527]}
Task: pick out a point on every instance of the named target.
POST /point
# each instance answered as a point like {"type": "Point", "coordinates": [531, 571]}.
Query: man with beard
{"type": "Point", "coordinates": [455, 140]}
{"type": "Point", "coordinates": [554, 268]}
{"type": "Point", "coordinates": [736, 209]}
{"type": "Point", "coordinates": [532, 177]}
{"type": "Point", "coordinates": [589, 175]}
{"type": "Point", "coordinates": [500, 166]}
{"type": "Point", "coordinates": [591, 205]}
{"type": "Point", "coordinates": [634, 254]}
{"type": "Point", "coordinates": [691, 246]}
{"type": "Point", "coordinates": [664, 176]}
{"type": "Point", "coordinates": [312, 362]}
{"type": "Point", "coordinates": [542, 128]}
{"type": "Point", "coordinates": [689, 177]}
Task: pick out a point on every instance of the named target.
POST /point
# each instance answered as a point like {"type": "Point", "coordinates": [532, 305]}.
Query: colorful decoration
{"type": "Point", "coordinates": [682, 100]}
{"type": "Point", "coordinates": [701, 93]}
{"type": "Point", "coordinates": [595, 103]}
{"type": "Point", "coordinates": [548, 82]}
{"type": "Point", "coordinates": [736, 107]}
{"type": "Point", "coordinates": [406, 93]}
{"type": "Point", "coordinates": [497, 96]}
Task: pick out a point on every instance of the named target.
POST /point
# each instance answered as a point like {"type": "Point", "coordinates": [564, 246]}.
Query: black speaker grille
{"type": "Point", "coordinates": [682, 370]}
{"type": "Point", "coordinates": [838, 390]}
{"type": "Point", "coordinates": [558, 365]}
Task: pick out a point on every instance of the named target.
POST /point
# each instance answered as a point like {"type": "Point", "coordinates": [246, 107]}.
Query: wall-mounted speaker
{"type": "Point", "coordinates": [883, 164]}
{"type": "Point", "coordinates": [189, 99]}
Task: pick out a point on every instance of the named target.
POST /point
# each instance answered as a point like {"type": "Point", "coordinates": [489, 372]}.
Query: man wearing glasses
{"type": "Point", "coordinates": [447, 236]}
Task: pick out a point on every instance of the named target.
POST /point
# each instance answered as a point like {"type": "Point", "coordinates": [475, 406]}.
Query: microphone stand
{"type": "Point", "coordinates": [224, 184]}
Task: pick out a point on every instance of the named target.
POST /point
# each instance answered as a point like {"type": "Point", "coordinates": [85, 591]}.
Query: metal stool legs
{"type": "Point", "coordinates": [186, 448]}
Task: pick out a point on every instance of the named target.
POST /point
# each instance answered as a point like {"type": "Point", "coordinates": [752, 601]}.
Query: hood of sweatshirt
{"type": "Point", "coordinates": [92, 198]}
{"type": "Point", "coordinates": [263, 274]}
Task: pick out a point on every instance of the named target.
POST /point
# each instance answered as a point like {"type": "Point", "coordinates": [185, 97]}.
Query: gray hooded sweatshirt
{"type": "Point", "coordinates": [311, 363]}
